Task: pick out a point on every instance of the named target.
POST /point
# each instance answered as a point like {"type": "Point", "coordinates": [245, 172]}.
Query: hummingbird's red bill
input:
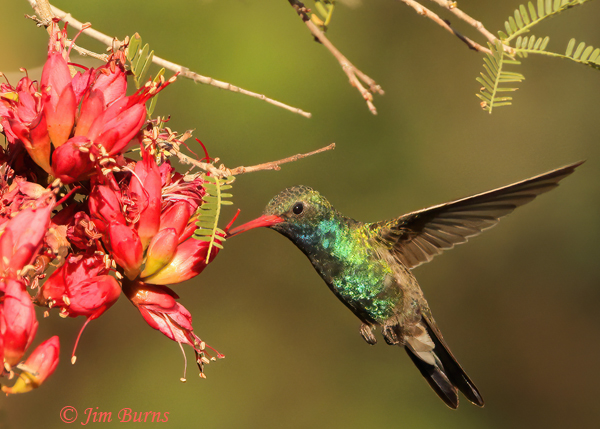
{"type": "Point", "coordinates": [265, 220]}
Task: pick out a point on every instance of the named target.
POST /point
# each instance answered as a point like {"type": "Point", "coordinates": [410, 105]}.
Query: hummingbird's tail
{"type": "Point", "coordinates": [437, 364]}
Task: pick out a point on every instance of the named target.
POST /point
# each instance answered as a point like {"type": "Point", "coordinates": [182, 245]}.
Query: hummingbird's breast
{"type": "Point", "coordinates": [351, 266]}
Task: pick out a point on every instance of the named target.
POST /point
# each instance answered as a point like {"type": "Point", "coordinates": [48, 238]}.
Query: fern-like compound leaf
{"type": "Point", "coordinates": [495, 75]}
{"type": "Point", "coordinates": [526, 17]}
{"type": "Point", "coordinates": [209, 212]}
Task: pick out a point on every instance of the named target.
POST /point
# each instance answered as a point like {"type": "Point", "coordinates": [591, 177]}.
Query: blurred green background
{"type": "Point", "coordinates": [518, 306]}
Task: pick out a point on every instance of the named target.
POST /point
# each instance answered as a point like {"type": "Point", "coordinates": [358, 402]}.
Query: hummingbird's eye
{"type": "Point", "coordinates": [298, 208]}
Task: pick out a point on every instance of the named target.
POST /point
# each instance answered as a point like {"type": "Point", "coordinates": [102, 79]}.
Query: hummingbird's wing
{"type": "Point", "coordinates": [417, 237]}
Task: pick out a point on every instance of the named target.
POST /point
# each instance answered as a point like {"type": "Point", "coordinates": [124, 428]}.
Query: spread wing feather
{"type": "Point", "coordinates": [417, 237]}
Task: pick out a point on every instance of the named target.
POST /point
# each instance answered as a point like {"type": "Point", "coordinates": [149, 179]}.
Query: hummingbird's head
{"type": "Point", "coordinates": [293, 212]}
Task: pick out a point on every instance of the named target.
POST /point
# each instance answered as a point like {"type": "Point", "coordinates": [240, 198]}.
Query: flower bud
{"type": "Point", "coordinates": [18, 323]}
{"type": "Point", "coordinates": [39, 366]}
{"type": "Point", "coordinates": [69, 163]}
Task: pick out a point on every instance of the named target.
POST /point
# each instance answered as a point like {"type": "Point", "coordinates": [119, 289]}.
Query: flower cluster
{"type": "Point", "coordinates": [107, 223]}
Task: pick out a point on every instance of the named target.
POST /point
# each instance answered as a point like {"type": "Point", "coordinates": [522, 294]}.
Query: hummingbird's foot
{"type": "Point", "coordinates": [367, 334]}
{"type": "Point", "coordinates": [389, 334]}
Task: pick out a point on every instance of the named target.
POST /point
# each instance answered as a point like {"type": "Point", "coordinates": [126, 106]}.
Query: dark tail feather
{"type": "Point", "coordinates": [452, 370]}
{"type": "Point", "coordinates": [437, 380]}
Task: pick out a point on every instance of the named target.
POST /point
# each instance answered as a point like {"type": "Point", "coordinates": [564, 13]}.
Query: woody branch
{"type": "Point", "coordinates": [355, 76]}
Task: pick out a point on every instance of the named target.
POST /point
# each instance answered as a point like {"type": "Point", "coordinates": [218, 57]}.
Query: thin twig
{"type": "Point", "coordinates": [452, 7]}
{"type": "Point", "coordinates": [275, 165]}
{"type": "Point", "coordinates": [423, 11]}
{"type": "Point", "coordinates": [354, 75]}
{"type": "Point", "coordinates": [183, 71]}
{"type": "Point", "coordinates": [223, 171]}
{"type": "Point", "coordinates": [206, 166]}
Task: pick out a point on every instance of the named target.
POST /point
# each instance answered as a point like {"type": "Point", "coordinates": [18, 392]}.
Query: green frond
{"type": "Point", "coordinates": [526, 17]}
{"type": "Point", "coordinates": [495, 75]}
{"type": "Point", "coordinates": [209, 212]}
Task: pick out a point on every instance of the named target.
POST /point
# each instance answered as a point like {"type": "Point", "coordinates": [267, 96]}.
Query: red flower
{"type": "Point", "coordinates": [38, 367]}
{"type": "Point", "coordinates": [18, 323]}
{"type": "Point", "coordinates": [118, 125]}
{"type": "Point", "coordinates": [141, 225]}
{"type": "Point", "coordinates": [73, 107]}
{"type": "Point", "coordinates": [60, 102]}
{"type": "Point", "coordinates": [80, 287]}
{"type": "Point", "coordinates": [161, 311]}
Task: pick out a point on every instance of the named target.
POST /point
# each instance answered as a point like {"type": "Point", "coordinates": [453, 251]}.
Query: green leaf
{"type": "Point", "coordinates": [146, 66]}
{"type": "Point", "coordinates": [139, 61]}
{"type": "Point", "coordinates": [203, 232]}
{"type": "Point", "coordinates": [557, 4]}
{"type": "Point", "coordinates": [134, 45]}
{"type": "Point", "coordinates": [493, 66]}
{"type": "Point", "coordinates": [513, 24]}
{"type": "Point", "coordinates": [570, 47]}
{"type": "Point", "coordinates": [524, 14]}
{"type": "Point", "coordinates": [532, 11]}
{"type": "Point", "coordinates": [518, 19]}
{"type": "Point", "coordinates": [586, 53]}
{"type": "Point", "coordinates": [540, 5]}
{"type": "Point", "coordinates": [320, 8]}
{"type": "Point", "coordinates": [579, 50]}
{"type": "Point", "coordinates": [545, 43]}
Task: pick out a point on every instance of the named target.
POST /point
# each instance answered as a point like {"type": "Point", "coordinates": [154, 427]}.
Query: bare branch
{"type": "Point", "coordinates": [275, 165]}
{"type": "Point", "coordinates": [112, 42]}
{"type": "Point", "coordinates": [452, 7]}
{"type": "Point", "coordinates": [223, 171]}
{"type": "Point", "coordinates": [355, 76]}
{"type": "Point", "coordinates": [423, 11]}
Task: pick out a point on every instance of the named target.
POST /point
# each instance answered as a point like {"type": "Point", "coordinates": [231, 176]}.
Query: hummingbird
{"type": "Point", "coordinates": [368, 265]}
